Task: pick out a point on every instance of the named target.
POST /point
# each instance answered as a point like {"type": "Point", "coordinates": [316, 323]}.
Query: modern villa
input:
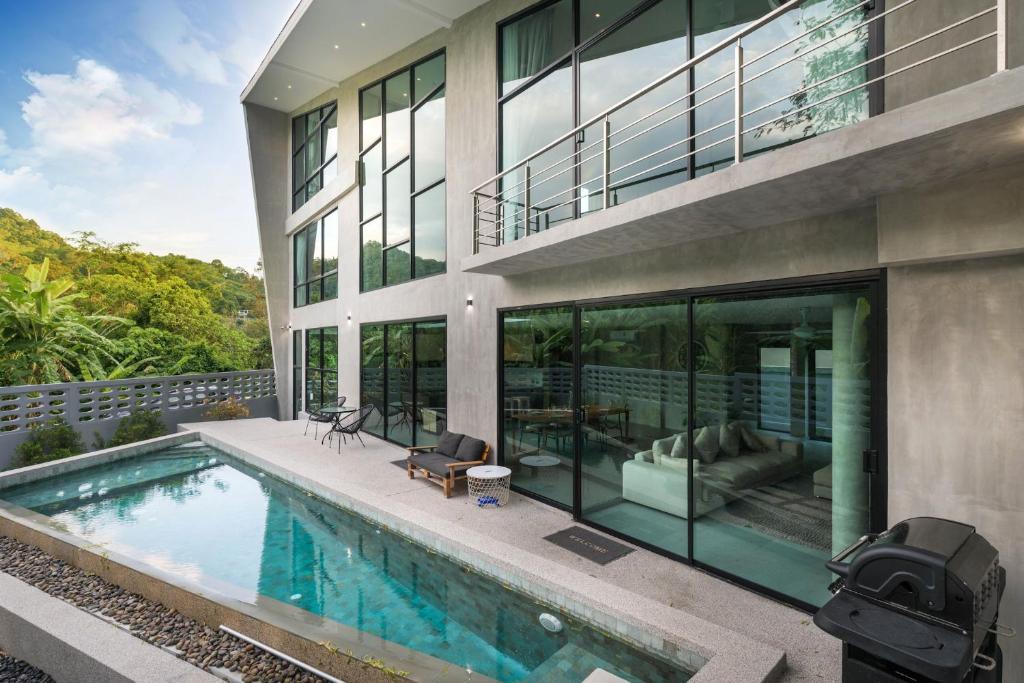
{"type": "Point", "coordinates": [734, 281]}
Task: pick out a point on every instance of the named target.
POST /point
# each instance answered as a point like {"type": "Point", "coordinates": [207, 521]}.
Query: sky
{"type": "Point", "coordinates": [122, 117]}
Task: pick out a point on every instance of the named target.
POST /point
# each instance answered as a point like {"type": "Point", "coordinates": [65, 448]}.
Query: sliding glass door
{"type": "Point", "coordinates": [728, 430]}
{"type": "Point", "coordinates": [403, 374]}
{"type": "Point", "coordinates": [633, 466]}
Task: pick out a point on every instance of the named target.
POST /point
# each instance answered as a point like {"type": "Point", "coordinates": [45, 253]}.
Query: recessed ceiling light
{"type": "Point", "coordinates": [363, 24]}
{"type": "Point", "coordinates": [275, 99]}
{"type": "Point", "coordinates": [336, 47]}
{"type": "Point", "coordinates": [597, 15]}
{"type": "Point", "coordinates": [289, 86]}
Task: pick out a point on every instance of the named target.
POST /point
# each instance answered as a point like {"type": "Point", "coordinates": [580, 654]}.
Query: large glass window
{"type": "Point", "coordinates": [727, 430]}
{"type": "Point", "coordinates": [565, 62]}
{"type": "Point", "coordinates": [402, 208]}
{"type": "Point", "coordinates": [314, 152]}
{"type": "Point", "coordinates": [403, 370]}
{"type": "Point", "coordinates": [315, 261]}
{"type": "Point", "coordinates": [321, 367]}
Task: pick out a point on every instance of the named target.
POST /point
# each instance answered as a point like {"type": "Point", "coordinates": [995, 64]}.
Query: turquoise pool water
{"type": "Point", "coordinates": [200, 514]}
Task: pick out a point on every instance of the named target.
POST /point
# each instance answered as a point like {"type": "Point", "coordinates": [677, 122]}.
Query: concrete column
{"type": "Point", "coordinates": [850, 433]}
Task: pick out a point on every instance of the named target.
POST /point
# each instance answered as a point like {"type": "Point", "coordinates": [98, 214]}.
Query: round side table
{"type": "Point", "coordinates": [489, 484]}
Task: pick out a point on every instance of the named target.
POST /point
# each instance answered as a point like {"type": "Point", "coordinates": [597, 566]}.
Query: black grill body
{"type": "Point", "coordinates": [917, 603]}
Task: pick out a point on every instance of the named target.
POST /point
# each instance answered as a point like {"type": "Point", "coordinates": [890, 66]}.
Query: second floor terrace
{"type": "Point", "coordinates": [616, 127]}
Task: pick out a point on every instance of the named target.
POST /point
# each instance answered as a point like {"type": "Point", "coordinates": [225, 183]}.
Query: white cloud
{"type": "Point", "coordinates": [4, 149]}
{"type": "Point", "coordinates": [96, 110]}
{"type": "Point", "coordinates": [173, 36]}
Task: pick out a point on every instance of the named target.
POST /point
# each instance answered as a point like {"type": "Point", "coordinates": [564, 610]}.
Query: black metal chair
{"type": "Point", "coordinates": [319, 418]}
{"type": "Point", "coordinates": [351, 424]}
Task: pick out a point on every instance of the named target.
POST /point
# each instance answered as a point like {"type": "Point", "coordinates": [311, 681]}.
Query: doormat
{"type": "Point", "coordinates": [586, 543]}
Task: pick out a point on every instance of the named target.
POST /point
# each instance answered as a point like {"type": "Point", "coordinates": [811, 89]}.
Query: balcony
{"type": "Point", "coordinates": [614, 185]}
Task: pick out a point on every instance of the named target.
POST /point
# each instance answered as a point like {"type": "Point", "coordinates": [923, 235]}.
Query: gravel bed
{"type": "Point", "coordinates": [190, 640]}
{"type": "Point", "coordinates": [15, 671]}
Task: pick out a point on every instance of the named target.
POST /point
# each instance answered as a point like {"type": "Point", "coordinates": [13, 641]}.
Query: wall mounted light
{"type": "Point", "coordinates": [350, 317]}
{"type": "Point", "coordinates": [469, 302]}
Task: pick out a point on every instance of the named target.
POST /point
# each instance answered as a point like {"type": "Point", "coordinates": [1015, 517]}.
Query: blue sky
{"type": "Point", "coordinates": [122, 117]}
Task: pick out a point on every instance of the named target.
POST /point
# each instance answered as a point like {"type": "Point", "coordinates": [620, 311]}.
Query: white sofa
{"type": "Point", "coordinates": [660, 481]}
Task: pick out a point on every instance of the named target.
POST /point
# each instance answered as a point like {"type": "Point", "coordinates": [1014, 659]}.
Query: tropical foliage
{"type": "Point", "coordinates": [50, 441]}
{"type": "Point", "coordinates": [85, 309]}
{"type": "Point", "coordinates": [139, 426]}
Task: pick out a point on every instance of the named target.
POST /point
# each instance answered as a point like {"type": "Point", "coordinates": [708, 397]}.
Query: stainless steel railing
{"type": "Point", "coordinates": [512, 204]}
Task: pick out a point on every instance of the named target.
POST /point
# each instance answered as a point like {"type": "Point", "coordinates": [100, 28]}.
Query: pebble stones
{"type": "Point", "coordinates": [14, 671]}
{"type": "Point", "coordinates": [190, 640]}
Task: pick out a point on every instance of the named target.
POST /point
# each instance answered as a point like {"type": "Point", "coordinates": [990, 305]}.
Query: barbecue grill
{"type": "Point", "coordinates": [919, 602]}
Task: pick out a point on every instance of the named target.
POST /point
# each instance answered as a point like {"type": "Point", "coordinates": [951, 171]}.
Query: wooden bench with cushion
{"type": "Point", "coordinates": [447, 462]}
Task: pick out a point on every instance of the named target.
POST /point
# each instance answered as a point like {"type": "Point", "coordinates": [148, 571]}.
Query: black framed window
{"type": "Point", "coordinates": [314, 152]}
{"type": "Point", "coordinates": [321, 367]}
{"type": "Point", "coordinates": [562, 62]}
{"type": "Point", "coordinates": [315, 261]}
{"type": "Point", "coordinates": [296, 373]}
{"type": "Point", "coordinates": [402, 175]}
{"type": "Point", "coordinates": [403, 373]}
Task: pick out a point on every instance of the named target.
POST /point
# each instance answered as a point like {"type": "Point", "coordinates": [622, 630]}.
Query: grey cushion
{"type": "Point", "coordinates": [705, 444]}
{"type": "Point", "coordinates": [448, 444]}
{"type": "Point", "coordinates": [470, 449]}
{"type": "Point", "coordinates": [435, 463]}
{"type": "Point", "coordinates": [729, 440]}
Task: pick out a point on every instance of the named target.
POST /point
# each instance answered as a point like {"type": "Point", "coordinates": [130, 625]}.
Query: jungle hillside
{"type": "Point", "coordinates": [84, 309]}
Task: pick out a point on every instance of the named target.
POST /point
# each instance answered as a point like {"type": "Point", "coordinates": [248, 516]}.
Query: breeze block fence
{"type": "Point", "coordinates": [92, 408]}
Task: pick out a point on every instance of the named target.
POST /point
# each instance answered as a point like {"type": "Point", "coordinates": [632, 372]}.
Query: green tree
{"type": "Point", "coordinates": [44, 337]}
{"type": "Point", "coordinates": [52, 440]}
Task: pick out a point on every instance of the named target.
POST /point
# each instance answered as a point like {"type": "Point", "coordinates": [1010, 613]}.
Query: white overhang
{"type": "Point", "coordinates": [326, 41]}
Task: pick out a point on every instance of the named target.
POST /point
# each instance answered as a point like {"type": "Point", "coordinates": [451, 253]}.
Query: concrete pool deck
{"type": "Point", "coordinates": [745, 636]}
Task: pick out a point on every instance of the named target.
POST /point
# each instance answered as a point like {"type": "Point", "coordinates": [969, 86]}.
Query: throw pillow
{"type": "Point", "coordinates": [679, 448]}
{"type": "Point", "coordinates": [470, 449]}
{"type": "Point", "coordinates": [705, 445]}
{"type": "Point", "coordinates": [663, 447]}
{"type": "Point", "coordinates": [644, 456]}
{"type": "Point", "coordinates": [729, 440]}
{"type": "Point", "coordinates": [750, 440]}
{"type": "Point", "coordinates": [448, 444]}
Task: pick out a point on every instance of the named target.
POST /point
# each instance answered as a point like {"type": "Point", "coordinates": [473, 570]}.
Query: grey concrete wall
{"type": "Point", "coordinates": [269, 136]}
{"type": "Point", "coordinates": [956, 406]}
{"type": "Point", "coordinates": [980, 215]}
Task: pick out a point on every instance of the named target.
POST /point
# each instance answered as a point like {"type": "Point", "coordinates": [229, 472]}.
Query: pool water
{"type": "Point", "coordinates": [198, 513]}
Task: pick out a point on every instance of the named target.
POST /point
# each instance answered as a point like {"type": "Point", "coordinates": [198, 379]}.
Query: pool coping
{"type": "Point", "coordinates": [716, 652]}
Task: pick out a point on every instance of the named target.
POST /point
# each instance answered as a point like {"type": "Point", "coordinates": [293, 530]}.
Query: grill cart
{"type": "Point", "coordinates": [920, 603]}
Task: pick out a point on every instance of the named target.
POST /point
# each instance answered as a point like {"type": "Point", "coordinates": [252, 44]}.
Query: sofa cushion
{"type": "Point", "coordinates": [768, 443]}
{"type": "Point", "coordinates": [435, 463]}
{"type": "Point", "coordinates": [737, 473]}
{"type": "Point", "coordinates": [644, 456]}
{"type": "Point", "coordinates": [750, 440]}
{"type": "Point", "coordinates": [705, 445]}
{"type": "Point", "coordinates": [679, 448]}
{"type": "Point", "coordinates": [448, 444]}
{"type": "Point", "coordinates": [680, 464]}
{"type": "Point", "coordinates": [663, 447]}
{"type": "Point", "coordinates": [470, 449]}
{"type": "Point", "coordinates": [729, 440]}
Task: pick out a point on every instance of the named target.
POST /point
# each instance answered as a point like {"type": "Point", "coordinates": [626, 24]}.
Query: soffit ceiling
{"type": "Point", "coordinates": [327, 41]}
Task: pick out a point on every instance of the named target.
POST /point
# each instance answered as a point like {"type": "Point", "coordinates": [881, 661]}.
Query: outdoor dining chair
{"type": "Point", "coordinates": [351, 425]}
{"type": "Point", "coordinates": [317, 417]}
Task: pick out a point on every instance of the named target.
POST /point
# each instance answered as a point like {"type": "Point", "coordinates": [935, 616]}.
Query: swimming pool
{"type": "Point", "coordinates": [226, 527]}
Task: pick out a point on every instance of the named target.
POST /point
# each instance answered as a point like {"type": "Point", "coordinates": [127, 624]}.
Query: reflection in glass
{"type": "Point", "coordinates": [428, 76]}
{"type": "Point", "coordinates": [633, 383]}
{"type": "Point", "coordinates": [396, 113]}
{"type": "Point", "coordinates": [398, 262]}
{"type": "Point", "coordinates": [533, 42]}
{"type": "Point", "coordinates": [529, 121]}
{"type": "Point", "coordinates": [775, 489]}
{"type": "Point", "coordinates": [370, 108]}
{"type": "Point", "coordinates": [428, 155]}
{"type": "Point", "coordinates": [597, 15]}
{"type": "Point", "coordinates": [397, 214]}
{"type": "Point", "coordinates": [712, 25]}
{"type": "Point", "coordinates": [398, 398]}
{"type": "Point", "coordinates": [321, 367]}
{"type": "Point", "coordinates": [431, 407]}
{"type": "Point", "coordinates": [537, 366]}
{"type": "Point", "coordinates": [373, 197]}
{"type": "Point", "coordinates": [635, 54]}
{"type": "Point", "coordinates": [373, 240]}
{"type": "Point", "coordinates": [371, 376]}
{"type": "Point", "coordinates": [429, 234]}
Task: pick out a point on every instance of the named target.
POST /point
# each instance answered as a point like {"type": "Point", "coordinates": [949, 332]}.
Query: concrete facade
{"type": "Point", "coordinates": [952, 250]}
